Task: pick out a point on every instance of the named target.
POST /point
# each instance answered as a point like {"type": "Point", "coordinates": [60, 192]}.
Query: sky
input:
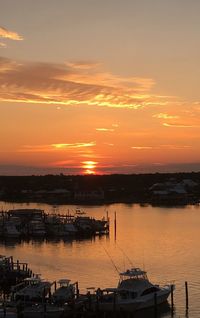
{"type": "Point", "coordinates": [99, 86]}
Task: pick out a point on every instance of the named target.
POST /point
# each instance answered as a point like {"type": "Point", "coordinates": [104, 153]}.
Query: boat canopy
{"type": "Point", "coordinates": [64, 282]}
{"type": "Point", "coordinates": [134, 273]}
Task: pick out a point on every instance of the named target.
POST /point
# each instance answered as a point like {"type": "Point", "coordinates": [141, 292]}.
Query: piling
{"type": "Point", "coordinates": [114, 302]}
{"type": "Point", "coordinates": [89, 300]}
{"type": "Point", "coordinates": [186, 296]}
{"type": "Point", "coordinates": [172, 298]}
{"type": "Point", "coordinates": [115, 226]}
{"type": "Point", "coordinates": [77, 290]}
{"type": "Point", "coordinates": [155, 306]}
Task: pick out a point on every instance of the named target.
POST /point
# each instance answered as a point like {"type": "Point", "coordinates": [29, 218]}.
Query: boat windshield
{"type": "Point", "coordinates": [134, 273]}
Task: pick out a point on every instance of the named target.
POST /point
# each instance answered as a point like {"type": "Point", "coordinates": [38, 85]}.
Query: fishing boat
{"type": "Point", "coordinates": [80, 212]}
{"type": "Point", "coordinates": [10, 230]}
{"type": "Point", "coordinates": [134, 292]}
{"type": "Point", "coordinates": [34, 289]}
{"type": "Point", "coordinates": [64, 293]}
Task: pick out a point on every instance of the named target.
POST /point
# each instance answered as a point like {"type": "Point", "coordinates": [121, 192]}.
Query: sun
{"type": "Point", "coordinates": [89, 167]}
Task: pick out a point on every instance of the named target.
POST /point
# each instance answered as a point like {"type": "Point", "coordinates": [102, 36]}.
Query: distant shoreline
{"type": "Point", "coordinates": [158, 189]}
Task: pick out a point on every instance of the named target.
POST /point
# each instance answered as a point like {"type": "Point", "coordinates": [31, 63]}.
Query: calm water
{"type": "Point", "coordinates": [164, 241]}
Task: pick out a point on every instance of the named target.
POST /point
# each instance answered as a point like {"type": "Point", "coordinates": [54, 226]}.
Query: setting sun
{"type": "Point", "coordinates": [89, 167]}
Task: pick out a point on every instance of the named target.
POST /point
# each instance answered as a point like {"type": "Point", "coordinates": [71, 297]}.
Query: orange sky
{"type": "Point", "coordinates": [99, 87]}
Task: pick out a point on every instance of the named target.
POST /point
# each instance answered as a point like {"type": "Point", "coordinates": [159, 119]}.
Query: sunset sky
{"type": "Point", "coordinates": [99, 86]}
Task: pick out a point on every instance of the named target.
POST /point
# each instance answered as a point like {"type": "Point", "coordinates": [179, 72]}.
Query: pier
{"type": "Point", "coordinates": [18, 277]}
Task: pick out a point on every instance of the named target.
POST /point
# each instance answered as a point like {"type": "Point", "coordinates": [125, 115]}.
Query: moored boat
{"type": "Point", "coordinates": [35, 290]}
{"type": "Point", "coordinates": [64, 293]}
{"type": "Point", "coordinates": [133, 292]}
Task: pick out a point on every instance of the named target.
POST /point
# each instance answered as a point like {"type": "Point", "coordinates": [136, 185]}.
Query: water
{"type": "Point", "coordinates": [164, 241]}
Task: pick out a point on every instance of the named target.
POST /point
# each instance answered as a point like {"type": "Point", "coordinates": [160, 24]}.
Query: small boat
{"type": "Point", "coordinates": [34, 289]}
{"type": "Point", "coordinates": [10, 230]}
{"type": "Point", "coordinates": [80, 212]}
{"type": "Point", "coordinates": [64, 293]}
{"type": "Point", "coordinates": [133, 292]}
{"type": "Point", "coordinates": [37, 228]}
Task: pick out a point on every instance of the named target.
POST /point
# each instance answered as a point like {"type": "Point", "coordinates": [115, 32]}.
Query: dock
{"type": "Point", "coordinates": [31, 223]}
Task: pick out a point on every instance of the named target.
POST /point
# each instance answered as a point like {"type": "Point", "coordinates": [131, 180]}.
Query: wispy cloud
{"type": "Point", "coordinates": [105, 129]}
{"type": "Point", "coordinates": [141, 147]}
{"type": "Point", "coordinates": [7, 34]}
{"type": "Point", "coordinates": [176, 147]}
{"type": "Point", "coordinates": [73, 84]}
{"type": "Point", "coordinates": [165, 116]}
{"type": "Point", "coordinates": [3, 45]}
{"type": "Point", "coordinates": [166, 147]}
{"type": "Point", "coordinates": [75, 145]}
{"type": "Point", "coordinates": [108, 144]}
{"type": "Point", "coordinates": [56, 147]}
{"type": "Point", "coordinates": [179, 125]}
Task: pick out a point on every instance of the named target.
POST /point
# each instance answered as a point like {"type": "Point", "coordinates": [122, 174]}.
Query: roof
{"type": "Point", "coordinates": [133, 272]}
{"type": "Point", "coordinates": [137, 285]}
{"type": "Point", "coordinates": [63, 281]}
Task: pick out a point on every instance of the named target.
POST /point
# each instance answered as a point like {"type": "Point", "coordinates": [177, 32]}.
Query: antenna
{"type": "Point", "coordinates": [131, 263]}
{"type": "Point", "coordinates": [111, 260]}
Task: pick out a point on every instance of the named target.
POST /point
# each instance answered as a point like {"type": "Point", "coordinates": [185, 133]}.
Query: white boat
{"type": "Point", "coordinates": [133, 292]}
{"type": "Point", "coordinates": [64, 293]}
{"type": "Point", "coordinates": [44, 310]}
{"type": "Point", "coordinates": [37, 228]}
{"type": "Point", "coordinates": [35, 289]}
{"type": "Point", "coordinates": [70, 229]}
{"type": "Point", "coordinates": [10, 230]}
{"type": "Point", "coordinates": [80, 212]}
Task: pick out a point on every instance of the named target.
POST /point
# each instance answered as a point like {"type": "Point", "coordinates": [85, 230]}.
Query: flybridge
{"type": "Point", "coordinates": [134, 273]}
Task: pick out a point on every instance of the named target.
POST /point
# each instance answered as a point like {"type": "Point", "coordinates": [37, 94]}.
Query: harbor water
{"type": "Point", "coordinates": [162, 240]}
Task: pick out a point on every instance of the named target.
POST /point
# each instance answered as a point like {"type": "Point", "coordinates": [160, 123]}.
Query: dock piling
{"type": "Point", "coordinates": [172, 298]}
{"type": "Point", "coordinates": [115, 226]}
{"type": "Point", "coordinates": [186, 295]}
{"type": "Point", "coordinates": [155, 306]}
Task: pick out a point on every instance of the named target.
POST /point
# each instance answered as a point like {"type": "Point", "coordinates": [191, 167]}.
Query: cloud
{"type": "Point", "coordinates": [142, 147]}
{"type": "Point", "coordinates": [105, 129]}
{"type": "Point", "coordinates": [108, 144]}
{"type": "Point", "coordinates": [179, 125]}
{"type": "Point", "coordinates": [168, 147]}
{"type": "Point", "coordinates": [176, 147]}
{"type": "Point", "coordinates": [3, 45]}
{"type": "Point", "coordinates": [75, 145]}
{"type": "Point", "coordinates": [165, 116]}
{"type": "Point", "coordinates": [73, 84]}
{"type": "Point", "coordinates": [6, 34]}
{"type": "Point", "coordinates": [56, 147]}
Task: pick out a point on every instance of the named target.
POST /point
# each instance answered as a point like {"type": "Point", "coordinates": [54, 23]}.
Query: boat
{"type": "Point", "coordinates": [10, 230]}
{"type": "Point", "coordinates": [80, 212]}
{"type": "Point", "coordinates": [64, 293]}
{"type": "Point", "coordinates": [37, 228]}
{"type": "Point", "coordinates": [134, 292]}
{"type": "Point", "coordinates": [34, 289]}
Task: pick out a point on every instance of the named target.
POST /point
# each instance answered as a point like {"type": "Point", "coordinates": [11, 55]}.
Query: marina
{"type": "Point", "coordinates": [33, 296]}
{"type": "Point", "coordinates": [161, 241]}
{"type": "Point", "coordinates": [23, 223]}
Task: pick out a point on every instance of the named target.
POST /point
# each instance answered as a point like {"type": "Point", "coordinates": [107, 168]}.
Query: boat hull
{"type": "Point", "coordinates": [151, 300]}
{"type": "Point", "coordinates": [41, 312]}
